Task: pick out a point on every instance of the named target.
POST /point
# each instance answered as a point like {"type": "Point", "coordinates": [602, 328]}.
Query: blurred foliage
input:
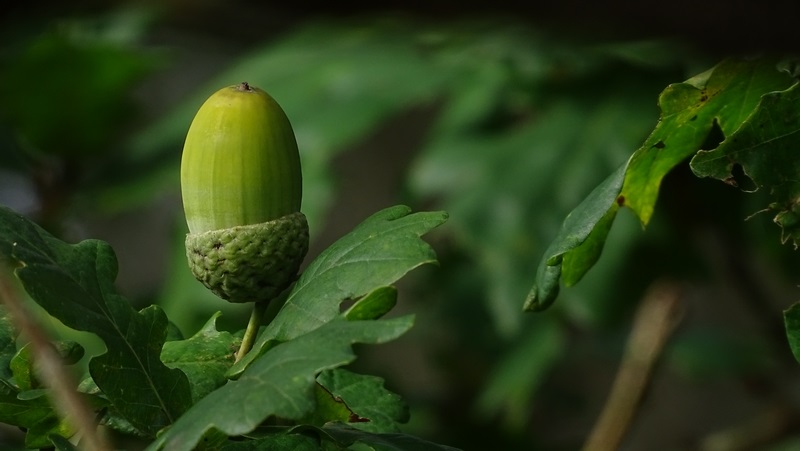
{"type": "Point", "coordinates": [66, 104]}
{"type": "Point", "coordinates": [522, 125]}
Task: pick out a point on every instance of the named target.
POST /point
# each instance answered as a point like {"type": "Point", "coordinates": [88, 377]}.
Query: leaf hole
{"type": "Point", "coordinates": [714, 137]}
{"type": "Point", "coordinates": [346, 304]}
{"type": "Point", "coordinates": [740, 179]}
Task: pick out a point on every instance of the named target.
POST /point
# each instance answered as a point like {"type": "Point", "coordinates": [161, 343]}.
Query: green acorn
{"type": "Point", "coordinates": [241, 186]}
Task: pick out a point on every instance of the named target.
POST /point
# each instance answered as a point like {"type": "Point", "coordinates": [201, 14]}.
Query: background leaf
{"type": "Point", "coordinates": [36, 415]}
{"type": "Point", "coordinates": [723, 97]}
{"type": "Point", "coordinates": [74, 283]}
{"type": "Point", "coordinates": [689, 111]}
{"type": "Point", "coordinates": [765, 146]}
{"type": "Point", "coordinates": [511, 386]}
{"type": "Point", "coordinates": [90, 75]}
{"type": "Point", "coordinates": [530, 126]}
{"type": "Point", "coordinates": [316, 85]}
{"type": "Point", "coordinates": [791, 319]}
{"type": "Point", "coordinates": [280, 383]}
{"type": "Point", "coordinates": [591, 219]}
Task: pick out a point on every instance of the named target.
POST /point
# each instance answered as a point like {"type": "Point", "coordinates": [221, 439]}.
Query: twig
{"type": "Point", "coordinates": [52, 371]}
{"type": "Point", "coordinates": [656, 318]}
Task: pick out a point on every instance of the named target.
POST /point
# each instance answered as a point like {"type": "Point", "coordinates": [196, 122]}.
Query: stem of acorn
{"type": "Point", "coordinates": [251, 332]}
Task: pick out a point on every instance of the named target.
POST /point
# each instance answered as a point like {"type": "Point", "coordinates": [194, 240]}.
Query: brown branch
{"type": "Point", "coordinates": [52, 371]}
{"type": "Point", "coordinates": [657, 316]}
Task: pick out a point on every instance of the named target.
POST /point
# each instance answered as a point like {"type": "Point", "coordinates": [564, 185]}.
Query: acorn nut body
{"type": "Point", "coordinates": [241, 186]}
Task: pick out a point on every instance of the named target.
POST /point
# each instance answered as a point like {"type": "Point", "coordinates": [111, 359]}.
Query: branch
{"type": "Point", "coordinates": [658, 315]}
{"type": "Point", "coordinates": [52, 372]}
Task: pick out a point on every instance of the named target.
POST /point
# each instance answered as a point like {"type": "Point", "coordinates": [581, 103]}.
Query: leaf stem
{"type": "Point", "coordinates": [252, 328]}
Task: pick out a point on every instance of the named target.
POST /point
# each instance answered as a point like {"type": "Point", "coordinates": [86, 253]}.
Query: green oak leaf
{"type": "Point", "coordinates": [578, 244]}
{"type": "Point", "coordinates": [347, 436]}
{"type": "Point", "coordinates": [766, 148]}
{"type": "Point", "coordinates": [22, 363]}
{"type": "Point", "coordinates": [8, 342]}
{"type": "Point", "coordinates": [34, 414]}
{"type": "Point", "coordinates": [328, 408]}
{"type": "Point", "coordinates": [204, 358]}
{"type": "Point", "coordinates": [75, 283]}
{"type": "Point", "coordinates": [726, 96]}
{"type": "Point", "coordinates": [376, 408]}
{"type": "Point", "coordinates": [277, 441]}
{"type": "Point", "coordinates": [22, 369]}
{"type": "Point", "coordinates": [62, 444]}
{"type": "Point", "coordinates": [331, 436]}
{"type": "Point", "coordinates": [791, 320]}
{"type": "Point", "coordinates": [280, 383]}
{"type": "Point", "coordinates": [376, 253]}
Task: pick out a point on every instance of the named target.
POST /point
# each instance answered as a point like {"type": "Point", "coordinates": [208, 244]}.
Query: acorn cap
{"type": "Point", "coordinates": [249, 263]}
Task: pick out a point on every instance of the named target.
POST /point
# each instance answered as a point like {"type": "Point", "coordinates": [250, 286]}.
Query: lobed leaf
{"type": "Point", "coordinates": [376, 253]}
{"type": "Point", "coordinates": [204, 358]}
{"type": "Point", "coordinates": [689, 111]}
{"type": "Point", "coordinates": [765, 146]}
{"type": "Point", "coordinates": [280, 383]}
{"type": "Point", "coordinates": [75, 283]}
{"type": "Point", "coordinates": [34, 414]}
{"type": "Point", "coordinates": [328, 408]}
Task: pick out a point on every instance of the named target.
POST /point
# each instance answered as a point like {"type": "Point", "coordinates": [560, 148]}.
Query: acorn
{"type": "Point", "coordinates": [241, 186]}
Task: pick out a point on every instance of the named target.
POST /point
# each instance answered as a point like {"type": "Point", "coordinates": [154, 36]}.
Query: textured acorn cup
{"type": "Point", "coordinates": [241, 186]}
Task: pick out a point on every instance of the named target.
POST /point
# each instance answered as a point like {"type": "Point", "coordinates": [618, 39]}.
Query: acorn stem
{"type": "Point", "coordinates": [252, 328]}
